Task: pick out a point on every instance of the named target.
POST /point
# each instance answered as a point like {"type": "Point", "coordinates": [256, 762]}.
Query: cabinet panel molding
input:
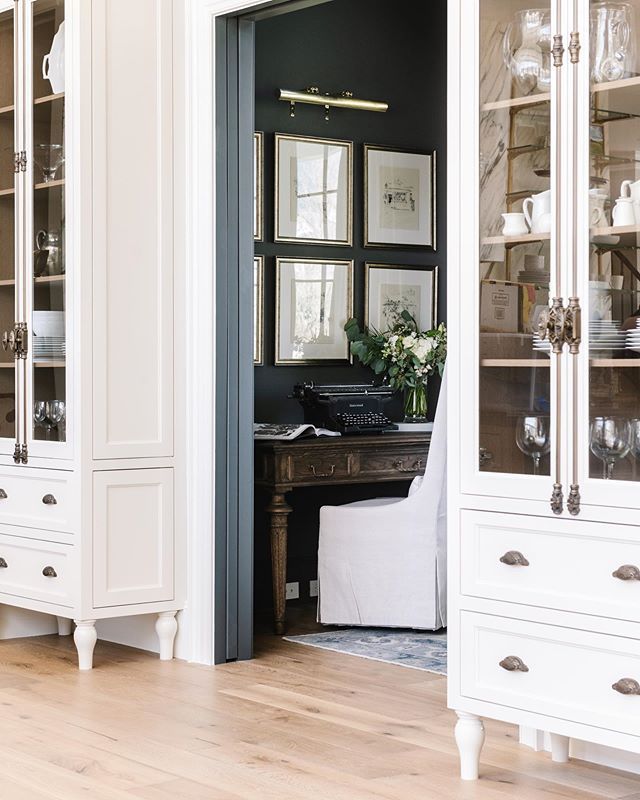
{"type": "Point", "coordinates": [133, 228]}
{"type": "Point", "coordinates": [133, 537]}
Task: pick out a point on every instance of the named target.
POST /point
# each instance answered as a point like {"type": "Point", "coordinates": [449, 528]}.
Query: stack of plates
{"type": "Point", "coordinates": [633, 338]}
{"type": "Point", "coordinates": [541, 345]}
{"type": "Point", "coordinates": [48, 336]}
{"type": "Point", "coordinates": [533, 276]}
{"type": "Point", "coordinates": [605, 336]}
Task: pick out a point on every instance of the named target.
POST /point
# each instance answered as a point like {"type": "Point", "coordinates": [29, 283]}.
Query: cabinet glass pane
{"type": "Point", "coordinates": [514, 267]}
{"type": "Point", "coordinates": [49, 413]}
{"type": "Point", "coordinates": [7, 221]}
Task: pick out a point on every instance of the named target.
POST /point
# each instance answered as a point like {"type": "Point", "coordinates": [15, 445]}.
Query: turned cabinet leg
{"type": "Point", "coordinates": [279, 511]}
{"type": "Point", "coordinates": [85, 638]}
{"type": "Point", "coordinates": [469, 735]}
{"type": "Point", "coordinates": [64, 626]}
{"type": "Point", "coordinates": [559, 748]}
{"type": "Point", "coordinates": [166, 628]}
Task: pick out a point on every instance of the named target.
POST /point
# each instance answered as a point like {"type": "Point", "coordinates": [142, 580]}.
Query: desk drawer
{"type": "Point", "coordinates": [569, 563]}
{"type": "Point", "coordinates": [308, 466]}
{"type": "Point", "coordinates": [569, 674]}
{"type": "Point", "coordinates": [386, 464]}
{"type": "Point", "coordinates": [23, 564]}
{"type": "Point", "coordinates": [36, 499]}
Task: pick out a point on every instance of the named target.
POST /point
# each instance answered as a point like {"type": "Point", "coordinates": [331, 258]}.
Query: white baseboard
{"type": "Point", "coordinates": [584, 751]}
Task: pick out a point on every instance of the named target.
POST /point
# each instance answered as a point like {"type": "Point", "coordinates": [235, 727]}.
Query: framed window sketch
{"type": "Point", "coordinates": [258, 306]}
{"type": "Point", "coordinates": [258, 183]}
{"type": "Point", "coordinates": [391, 289]}
{"type": "Point", "coordinates": [314, 190]}
{"type": "Point", "coordinates": [314, 300]}
{"type": "Point", "coordinates": [399, 198]}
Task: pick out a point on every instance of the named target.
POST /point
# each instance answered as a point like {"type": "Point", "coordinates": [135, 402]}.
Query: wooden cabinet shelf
{"type": "Point", "coordinates": [518, 102]}
{"type": "Point", "coordinates": [49, 98]}
{"type": "Point", "coordinates": [49, 184]}
{"type": "Point", "coordinates": [44, 279]}
{"type": "Point", "coordinates": [512, 241]}
{"type": "Point", "coordinates": [515, 362]}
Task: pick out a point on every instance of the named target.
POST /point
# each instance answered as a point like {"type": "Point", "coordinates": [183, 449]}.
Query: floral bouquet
{"type": "Point", "coordinates": [405, 355]}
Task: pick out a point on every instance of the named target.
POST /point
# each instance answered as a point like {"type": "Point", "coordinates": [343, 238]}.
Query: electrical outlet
{"type": "Point", "coordinates": [293, 591]}
{"type": "Point", "coordinates": [313, 588]}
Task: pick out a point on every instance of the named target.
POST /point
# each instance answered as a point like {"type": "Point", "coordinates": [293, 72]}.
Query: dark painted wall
{"type": "Point", "coordinates": [390, 50]}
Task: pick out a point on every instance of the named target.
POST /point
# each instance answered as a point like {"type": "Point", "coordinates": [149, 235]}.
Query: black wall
{"type": "Point", "coordinates": [389, 50]}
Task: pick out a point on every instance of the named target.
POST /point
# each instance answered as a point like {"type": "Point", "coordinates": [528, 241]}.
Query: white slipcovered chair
{"type": "Point", "coordinates": [382, 563]}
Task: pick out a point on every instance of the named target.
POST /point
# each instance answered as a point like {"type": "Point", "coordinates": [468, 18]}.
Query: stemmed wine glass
{"type": "Point", "coordinates": [40, 416]}
{"type": "Point", "coordinates": [49, 157]}
{"type": "Point", "coordinates": [533, 437]}
{"type": "Point", "coordinates": [610, 441]}
{"type": "Point", "coordinates": [56, 410]}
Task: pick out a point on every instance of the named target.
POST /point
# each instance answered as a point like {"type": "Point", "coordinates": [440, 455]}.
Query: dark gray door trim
{"type": "Point", "coordinates": [234, 340]}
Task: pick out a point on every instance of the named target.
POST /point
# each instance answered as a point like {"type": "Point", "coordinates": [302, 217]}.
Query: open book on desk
{"type": "Point", "coordinates": [286, 432]}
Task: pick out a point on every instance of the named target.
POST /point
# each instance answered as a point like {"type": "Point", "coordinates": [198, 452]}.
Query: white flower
{"type": "Point", "coordinates": [422, 348]}
{"type": "Point", "coordinates": [408, 342]}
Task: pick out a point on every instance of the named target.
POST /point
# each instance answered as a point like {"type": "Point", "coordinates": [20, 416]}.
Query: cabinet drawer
{"type": "Point", "coordinates": [569, 674]}
{"type": "Point", "coordinates": [568, 564]}
{"type": "Point", "coordinates": [36, 500]}
{"type": "Point", "coordinates": [22, 568]}
{"type": "Point", "coordinates": [307, 466]}
{"type": "Point", "coordinates": [385, 465]}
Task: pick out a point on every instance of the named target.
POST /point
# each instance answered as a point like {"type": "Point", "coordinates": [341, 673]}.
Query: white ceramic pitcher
{"type": "Point", "coordinates": [537, 212]}
{"type": "Point", "coordinates": [632, 189]}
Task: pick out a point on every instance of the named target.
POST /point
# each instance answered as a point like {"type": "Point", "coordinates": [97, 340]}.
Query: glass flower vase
{"type": "Point", "coordinates": [415, 403]}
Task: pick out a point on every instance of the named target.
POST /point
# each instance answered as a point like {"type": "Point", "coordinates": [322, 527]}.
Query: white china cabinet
{"type": "Point", "coordinates": [90, 494]}
{"type": "Point", "coordinates": [544, 313]}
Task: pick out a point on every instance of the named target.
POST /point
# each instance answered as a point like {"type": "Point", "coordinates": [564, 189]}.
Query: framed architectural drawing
{"type": "Point", "coordinates": [258, 183]}
{"type": "Point", "coordinates": [399, 198]}
{"type": "Point", "coordinates": [314, 190]}
{"type": "Point", "coordinates": [258, 306]}
{"type": "Point", "coordinates": [314, 300]}
{"type": "Point", "coordinates": [391, 289]}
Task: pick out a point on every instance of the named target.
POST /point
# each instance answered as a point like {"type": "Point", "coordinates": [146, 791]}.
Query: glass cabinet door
{"type": "Point", "coordinates": [47, 399]}
{"type": "Point", "coordinates": [516, 231]}
{"type": "Point", "coordinates": [609, 432]}
{"type": "Point", "coordinates": [8, 221]}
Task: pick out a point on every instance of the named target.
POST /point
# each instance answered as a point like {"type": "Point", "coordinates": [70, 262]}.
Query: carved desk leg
{"type": "Point", "coordinates": [279, 510]}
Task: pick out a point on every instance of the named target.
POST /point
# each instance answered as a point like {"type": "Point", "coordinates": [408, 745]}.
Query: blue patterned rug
{"type": "Point", "coordinates": [420, 650]}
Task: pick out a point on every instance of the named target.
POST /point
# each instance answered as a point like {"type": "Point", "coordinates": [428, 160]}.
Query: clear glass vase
{"type": "Point", "coordinates": [415, 403]}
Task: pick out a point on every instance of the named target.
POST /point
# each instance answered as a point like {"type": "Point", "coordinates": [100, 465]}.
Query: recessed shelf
{"type": "Point", "coordinates": [44, 279]}
{"type": "Point", "coordinates": [518, 102]}
{"type": "Point", "coordinates": [7, 109]}
{"type": "Point", "coordinates": [49, 184]}
{"type": "Point", "coordinates": [49, 98]}
{"type": "Point", "coordinates": [615, 362]}
{"type": "Point", "coordinates": [511, 241]}
{"type": "Point", "coordinates": [50, 364]}
{"type": "Point", "coordinates": [515, 362]}
{"type": "Point", "coordinates": [7, 192]}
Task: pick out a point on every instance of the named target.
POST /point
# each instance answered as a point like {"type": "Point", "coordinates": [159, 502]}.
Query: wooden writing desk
{"type": "Point", "coordinates": [284, 466]}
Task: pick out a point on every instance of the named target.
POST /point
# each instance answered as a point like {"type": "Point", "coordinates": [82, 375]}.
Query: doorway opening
{"type": "Point", "coordinates": [392, 52]}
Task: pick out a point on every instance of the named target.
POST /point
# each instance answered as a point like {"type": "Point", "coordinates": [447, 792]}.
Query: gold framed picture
{"type": "Point", "coordinates": [399, 198]}
{"type": "Point", "coordinates": [258, 184]}
{"type": "Point", "coordinates": [314, 300]}
{"type": "Point", "coordinates": [313, 190]}
{"type": "Point", "coordinates": [258, 311]}
{"type": "Point", "coordinates": [391, 289]}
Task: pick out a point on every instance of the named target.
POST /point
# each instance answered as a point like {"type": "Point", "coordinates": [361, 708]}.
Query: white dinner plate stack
{"type": "Point", "coordinates": [541, 345]}
{"type": "Point", "coordinates": [48, 339]}
{"type": "Point", "coordinates": [633, 338]}
{"type": "Point", "coordinates": [605, 336]}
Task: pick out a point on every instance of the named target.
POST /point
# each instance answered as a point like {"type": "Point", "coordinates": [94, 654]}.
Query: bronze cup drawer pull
{"type": "Point", "coordinates": [514, 664]}
{"type": "Point", "coordinates": [329, 474]}
{"type": "Point", "coordinates": [399, 465]}
{"type": "Point", "coordinates": [627, 686]}
{"type": "Point", "coordinates": [49, 572]}
{"type": "Point", "coordinates": [3, 563]}
{"type": "Point", "coordinates": [49, 500]}
{"type": "Point", "coordinates": [627, 572]}
{"type": "Point", "coordinates": [514, 558]}
{"type": "Point", "coordinates": [3, 494]}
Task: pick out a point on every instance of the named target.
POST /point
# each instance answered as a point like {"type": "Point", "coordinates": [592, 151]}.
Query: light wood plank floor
{"type": "Point", "coordinates": [294, 723]}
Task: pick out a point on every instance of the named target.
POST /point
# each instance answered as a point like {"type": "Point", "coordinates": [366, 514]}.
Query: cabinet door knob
{"type": "Point", "coordinates": [514, 664]}
{"type": "Point", "coordinates": [49, 500]}
{"type": "Point", "coordinates": [627, 686]}
{"type": "Point", "coordinates": [514, 558]}
{"type": "Point", "coordinates": [627, 572]}
{"type": "Point", "coordinates": [49, 572]}
{"type": "Point", "coordinates": [3, 564]}
{"type": "Point", "coordinates": [3, 494]}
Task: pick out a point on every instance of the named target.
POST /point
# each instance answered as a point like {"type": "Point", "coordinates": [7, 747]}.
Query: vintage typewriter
{"type": "Point", "coordinates": [350, 409]}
